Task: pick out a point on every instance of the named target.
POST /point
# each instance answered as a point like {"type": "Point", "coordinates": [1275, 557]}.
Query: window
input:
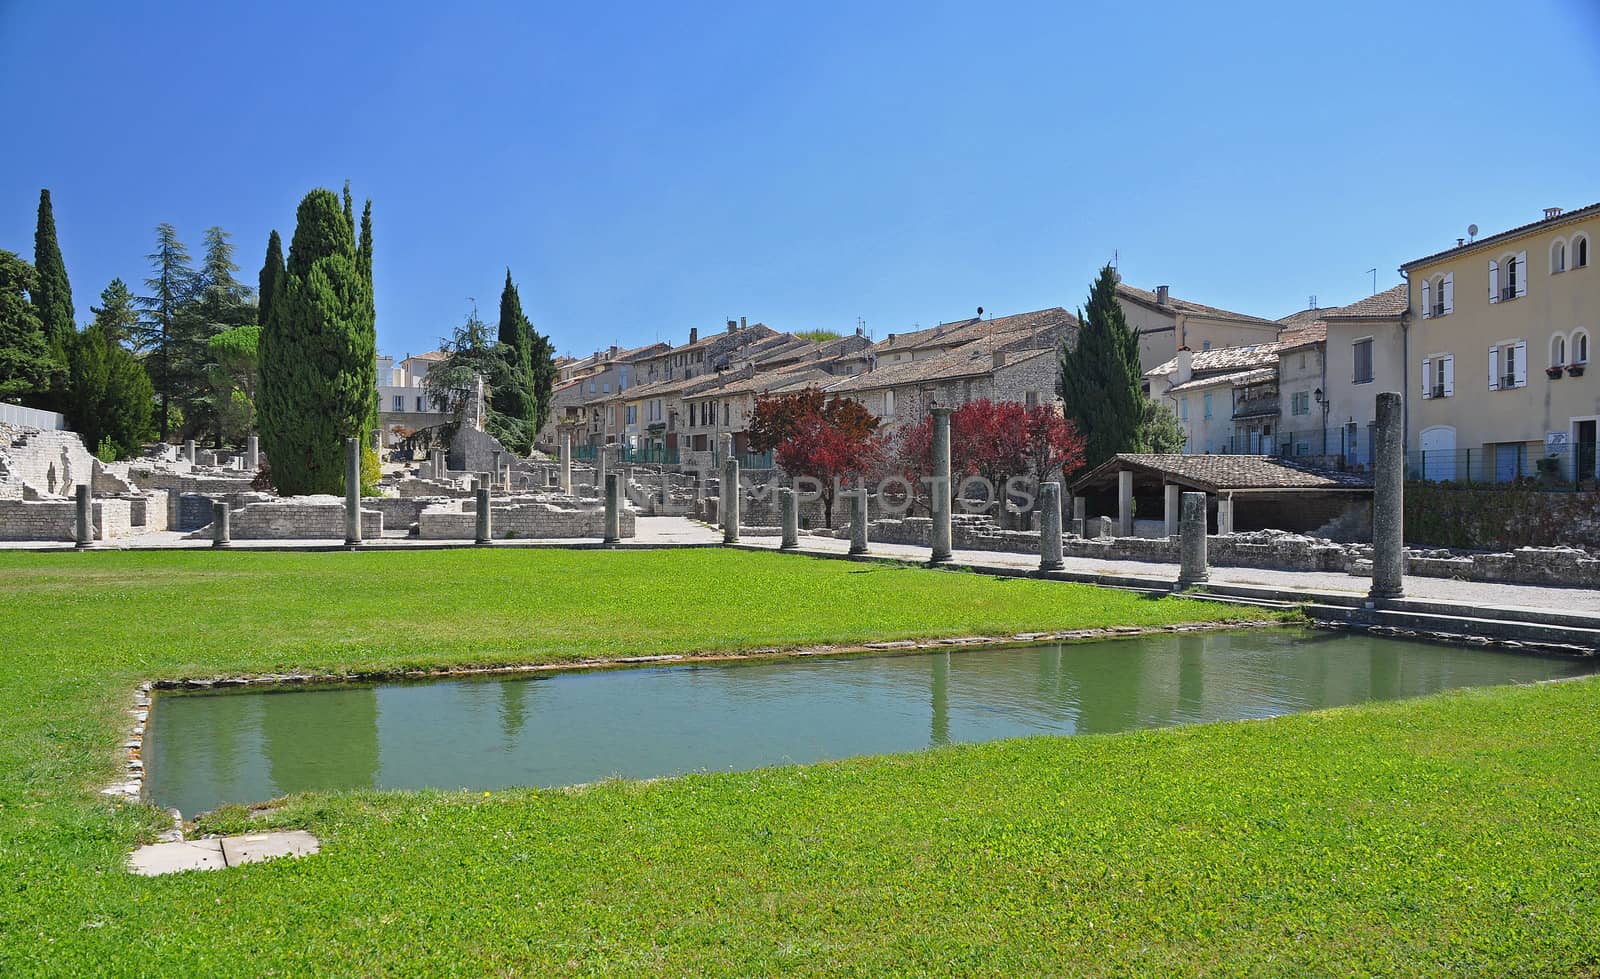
{"type": "Point", "coordinates": [1300, 403]}
{"type": "Point", "coordinates": [1031, 399]}
{"type": "Point", "coordinates": [1508, 365]}
{"type": "Point", "coordinates": [1207, 408]}
{"type": "Point", "coordinates": [1558, 350]}
{"type": "Point", "coordinates": [888, 404]}
{"type": "Point", "coordinates": [727, 414]}
{"type": "Point", "coordinates": [1438, 376]}
{"type": "Point", "coordinates": [1361, 352]}
{"type": "Point", "coordinates": [1558, 256]}
{"type": "Point", "coordinates": [1580, 251]}
{"type": "Point", "coordinates": [1205, 345]}
{"type": "Point", "coordinates": [591, 387]}
{"type": "Point", "coordinates": [1508, 278]}
{"type": "Point", "coordinates": [1183, 408]}
{"type": "Point", "coordinates": [422, 403]}
{"type": "Point", "coordinates": [633, 414]}
{"type": "Point", "coordinates": [1438, 295]}
{"type": "Point", "coordinates": [1580, 346]}
{"type": "Point", "coordinates": [605, 388]}
{"type": "Point", "coordinates": [399, 402]}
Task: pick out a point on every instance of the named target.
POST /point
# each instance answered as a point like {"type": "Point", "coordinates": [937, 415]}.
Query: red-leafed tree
{"type": "Point", "coordinates": [827, 439]}
{"type": "Point", "coordinates": [1054, 444]}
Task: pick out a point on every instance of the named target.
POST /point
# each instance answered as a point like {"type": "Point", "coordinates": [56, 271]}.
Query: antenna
{"type": "Point", "coordinates": [1472, 231]}
{"type": "Point", "coordinates": [1312, 304]}
{"type": "Point", "coordinates": [1374, 281]}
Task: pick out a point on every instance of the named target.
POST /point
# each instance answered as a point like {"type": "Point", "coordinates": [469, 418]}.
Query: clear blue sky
{"type": "Point", "coordinates": [648, 168]}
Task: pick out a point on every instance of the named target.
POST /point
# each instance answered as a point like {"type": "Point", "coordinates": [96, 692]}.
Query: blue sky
{"type": "Point", "coordinates": [647, 168]}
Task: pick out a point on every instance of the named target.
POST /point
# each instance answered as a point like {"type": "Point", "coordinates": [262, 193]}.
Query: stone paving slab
{"type": "Point", "coordinates": [259, 847]}
{"type": "Point", "coordinates": [170, 858]}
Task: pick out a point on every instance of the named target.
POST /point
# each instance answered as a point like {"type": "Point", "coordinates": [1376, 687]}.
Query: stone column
{"type": "Point", "coordinates": [1388, 499]}
{"type": "Point", "coordinates": [252, 453]}
{"type": "Point", "coordinates": [939, 492]}
{"type": "Point", "coordinates": [613, 508]}
{"type": "Point", "coordinates": [494, 476]}
{"type": "Point", "coordinates": [1173, 490]}
{"type": "Point", "coordinates": [377, 442]}
{"type": "Point", "coordinates": [858, 521]}
{"type": "Point", "coordinates": [1192, 569]}
{"type": "Point", "coordinates": [1050, 527]}
{"type": "Point", "coordinates": [1125, 503]}
{"type": "Point", "coordinates": [191, 453]}
{"type": "Point", "coordinates": [789, 504]}
{"type": "Point", "coordinates": [666, 490]}
{"type": "Point", "coordinates": [600, 469]}
{"type": "Point", "coordinates": [507, 484]}
{"type": "Point", "coordinates": [221, 530]}
{"type": "Point", "coordinates": [1224, 515]}
{"type": "Point", "coordinates": [566, 463]}
{"type": "Point", "coordinates": [352, 491]}
{"type": "Point", "coordinates": [1079, 520]}
{"type": "Point", "coordinates": [485, 530]}
{"type": "Point", "coordinates": [84, 529]}
{"type": "Point", "coordinates": [730, 500]}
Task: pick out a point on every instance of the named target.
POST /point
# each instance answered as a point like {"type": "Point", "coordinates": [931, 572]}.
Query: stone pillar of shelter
{"type": "Point", "coordinates": [730, 500]}
{"type": "Point", "coordinates": [221, 529]}
{"type": "Point", "coordinates": [858, 521]}
{"type": "Point", "coordinates": [613, 508]}
{"type": "Point", "coordinates": [352, 491]}
{"type": "Point", "coordinates": [83, 534]}
{"type": "Point", "coordinates": [252, 452]}
{"type": "Point", "coordinates": [789, 504]}
{"type": "Point", "coordinates": [1173, 492]}
{"type": "Point", "coordinates": [1079, 521]}
{"type": "Point", "coordinates": [1192, 567]}
{"type": "Point", "coordinates": [485, 529]}
{"type": "Point", "coordinates": [1224, 515]}
{"type": "Point", "coordinates": [1050, 526]}
{"type": "Point", "coordinates": [1125, 503]}
{"type": "Point", "coordinates": [939, 492]}
{"type": "Point", "coordinates": [1388, 499]}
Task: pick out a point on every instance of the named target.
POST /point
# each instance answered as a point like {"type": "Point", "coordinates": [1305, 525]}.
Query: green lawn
{"type": "Point", "coordinates": [1456, 834]}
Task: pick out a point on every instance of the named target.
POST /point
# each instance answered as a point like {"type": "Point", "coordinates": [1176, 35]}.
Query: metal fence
{"type": "Point", "coordinates": [660, 455]}
{"type": "Point", "coordinates": [32, 417]}
{"type": "Point", "coordinates": [1555, 467]}
{"type": "Point", "coordinates": [755, 460]}
{"type": "Point", "coordinates": [1347, 448]}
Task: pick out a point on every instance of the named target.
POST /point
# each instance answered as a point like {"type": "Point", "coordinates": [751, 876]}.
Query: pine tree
{"type": "Point", "coordinates": [225, 301]}
{"type": "Point", "coordinates": [270, 279]}
{"type": "Point", "coordinates": [1100, 379]}
{"type": "Point", "coordinates": [318, 353]}
{"type": "Point", "coordinates": [27, 371]}
{"type": "Point", "coordinates": [53, 297]}
{"type": "Point", "coordinates": [116, 315]}
{"type": "Point", "coordinates": [172, 286]}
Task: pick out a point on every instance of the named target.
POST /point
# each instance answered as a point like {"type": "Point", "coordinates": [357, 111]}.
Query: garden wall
{"type": "Point", "coordinates": [1500, 517]}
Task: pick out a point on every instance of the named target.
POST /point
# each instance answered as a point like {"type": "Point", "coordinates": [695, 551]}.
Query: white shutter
{"type": "Point", "coordinates": [1427, 378]}
{"type": "Point", "coordinates": [1522, 363]}
{"type": "Point", "coordinates": [1494, 281]}
{"type": "Point", "coordinates": [1494, 368]}
{"type": "Point", "coordinates": [1427, 304]}
{"type": "Point", "coordinates": [1449, 376]}
{"type": "Point", "coordinates": [1522, 267]}
{"type": "Point", "coordinates": [1449, 291]}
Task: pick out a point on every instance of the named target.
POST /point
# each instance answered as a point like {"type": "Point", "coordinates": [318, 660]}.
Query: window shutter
{"type": "Point", "coordinates": [1494, 281]}
{"type": "Point", "coordinates": [1427, 303]}
{"type": "Point", "coordinates": [1449, 291]}
{"type": "Point", "coordinates": [1449, 376]}
{"type": "Point", "coordinates": [1522, 361]}
{"type": "Point", "coordinates": [1522, 280]}
{"type": "Point", "coordinates": [1427, 378]}
{"type": "Point", "coordinates": [1494, 368]}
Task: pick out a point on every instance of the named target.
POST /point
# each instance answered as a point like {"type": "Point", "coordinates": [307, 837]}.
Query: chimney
{"type": "Point", "coordinates": [999, 358]}
{"type": "Point", "coordinates": [858, 331]}
{"type": "Point", "coordinates": [1552, 212]}
{"type": "Point", "coordinates": [694, 334]}
{"type": "Point", "coordinates": [733, 325]}
{"type": "Point", "coordinates": [1161, 295]}
{"type": "Point", "coordinates": [611, 352]}
{"type": "Point", "coordinates": [1185, 365]}
{"type": "Point", "coordinates": [741, 322]}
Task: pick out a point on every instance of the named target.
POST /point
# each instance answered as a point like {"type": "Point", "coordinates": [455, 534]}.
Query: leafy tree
{"type": "Point", "coordinates": [172, 286]}
{"type": "Point", "coordinates": [1053, 446]}
{"type": "Point", "coordinates": [1100, 379]}
{"type": "Point", "coordinates": [827, 439]}
{"type": "Point", "coordinates": [225, 302]}
{"type": "Point", "coordinates": [819, 336]}
{"type": "Point", "coordinates": [116, 316]}
{"type": "Point", "coordinates": [235, 377]}
{"type": "Point", "coordinates": [452, 384]}
{"type": "Point", "coordinates": [27, 370]}
{"type": "Point", "coordinates": [777, 416]}
{"type": "Point", "coordinates": [318, 353]}
{"type": "Point", "coordinates": [1162, 433]}
{"type": "Point", "coordinates": [271, 278]}
{"type": "Point", "coordinates": [53, 295]}
{"type": "Point", "coordinates": [109, 398]}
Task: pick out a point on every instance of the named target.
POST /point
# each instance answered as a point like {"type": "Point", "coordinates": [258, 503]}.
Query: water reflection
{"type": "Point", "coordinates": [557, 729]}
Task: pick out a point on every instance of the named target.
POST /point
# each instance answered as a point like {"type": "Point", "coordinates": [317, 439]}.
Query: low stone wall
{"type": "Point", "coordinates": [1561, 566]}
{"type": "Point", "coordinates": [300, 518]}
{"type": "Point", "coordinates": [520, 517]}
{"type": "Point", "coordinates": [43, 520]}
{"type": "Point", "coordinates": [400, 512]}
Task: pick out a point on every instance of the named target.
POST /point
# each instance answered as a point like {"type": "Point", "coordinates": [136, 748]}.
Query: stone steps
{"type": "Point", "coordinates": [1501, 624]}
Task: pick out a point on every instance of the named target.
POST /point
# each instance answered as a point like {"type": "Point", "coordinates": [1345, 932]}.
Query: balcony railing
{"type": "Point", "coordinates": [1438, 309]}
{"type": "Point", "coordinates": [1508, 292]}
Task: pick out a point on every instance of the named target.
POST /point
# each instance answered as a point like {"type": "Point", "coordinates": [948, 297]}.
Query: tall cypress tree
{"type": "Point", "coordinates": [543, 359]}
{"type": "Point", "coordinates": [512, 393]}
{"type": "Point", "coordinates": [318, 351]}
{"type": "Point", "coordinates": [53, 296]}
{"type": "Point", "coordinates": [364, 249]}
{"type": "Point", "coordinates": [27, 370]}
{"type": "Point", "coordinates": [1100, 380]}
{"type": "Point", "coordinates": [270, 279]}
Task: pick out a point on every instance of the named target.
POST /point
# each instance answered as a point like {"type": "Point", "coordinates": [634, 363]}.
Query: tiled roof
{"type": "Point", "coordinates": [1304, 317]}
{"type": "Point", "coordinates": [1235, 378]}
{"type": "Point", "coordinates": [1494, 239]}
{"type": "Point", "coordinates": [970, 360]}
{"type": "Point", "coordinates": [1226, 472]}
{"type": "Point", "coordinates": [1312, 333]}
{"type": "Point", "coordinates": [1390, 302]}
{"type": "Point", "coordinates": [1221, 359]}
{"type": "Point", "coordinates": [965, 331]}
{"type": "Point", "coordinates": [1174, 304]}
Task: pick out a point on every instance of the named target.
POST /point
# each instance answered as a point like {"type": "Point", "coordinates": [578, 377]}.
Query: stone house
{"type": "Point", "coordinates": [1167, 324]}
{"type": "Point", "coordinates": [1226, 398]}
{"type": "Point", "coordinates": [1364, 353]}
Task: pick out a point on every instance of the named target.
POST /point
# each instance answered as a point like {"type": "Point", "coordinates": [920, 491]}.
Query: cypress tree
{"type": "Point", "coordinates": [270, 279]}
{"type": "Point", "coordinates": [349, 212]}
{"type": "Point", "coordinates": [27, 370]}
{"type": "Point", "coordinates": [53, 296]}
{"type": "Point", "coordinates": [512, 393]}
{"type": "Point", "coordinates": [364, 250]}
{"type": "Point", "coordinates": [543, 358]}
{"type": "Point", "coordinates": [317, 352]}
{"type": "Point", "coordinates": [1100, 379]}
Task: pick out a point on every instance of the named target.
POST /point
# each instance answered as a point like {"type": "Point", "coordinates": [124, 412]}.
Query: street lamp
{"type": "Point", "coordinates": [1322, 400]}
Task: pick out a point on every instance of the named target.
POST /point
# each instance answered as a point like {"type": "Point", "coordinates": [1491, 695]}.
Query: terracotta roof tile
{"type": "Point", "coordinates": [1148, 299]}
{"type": "Point", "coordinates": [1227, 472]}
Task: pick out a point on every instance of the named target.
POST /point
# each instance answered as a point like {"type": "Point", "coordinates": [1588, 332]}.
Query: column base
{"type": "Point", "coordinates": [1052, 565]}
{"type": "Point", "coordinates": [1385, 594]}
{"type": "Point", "coordinates": [940, 558]}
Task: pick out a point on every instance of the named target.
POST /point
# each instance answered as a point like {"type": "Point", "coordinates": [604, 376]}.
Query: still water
{"type": "Point", "coordinates": [205, 749]}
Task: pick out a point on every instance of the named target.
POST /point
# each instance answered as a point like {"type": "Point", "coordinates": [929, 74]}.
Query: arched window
{"type": "Point", "coordinates": [1558, 256]}
{"type": "Point", "coordinates": [1580, 251]}
{"type": "Point", "coordinates": [1580, 346]}
{"type": "Point", "coordinates": [1511, 276]}
{"type": "Point", "coordinates": [1558, 350]}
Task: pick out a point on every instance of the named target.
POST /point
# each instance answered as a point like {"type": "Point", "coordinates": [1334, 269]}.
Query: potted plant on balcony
{"type": "Point", "coordinates": [1575, 370]}
{"type": "Point", "coordinates": [1553, 373]}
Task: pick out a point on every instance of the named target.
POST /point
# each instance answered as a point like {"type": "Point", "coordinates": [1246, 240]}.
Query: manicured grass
{"type": "Point", "coordinates": [1456, 834]}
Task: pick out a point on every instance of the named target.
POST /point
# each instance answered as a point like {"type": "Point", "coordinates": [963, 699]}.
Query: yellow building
{"type": "Point", "coordinates": [1499, 335]}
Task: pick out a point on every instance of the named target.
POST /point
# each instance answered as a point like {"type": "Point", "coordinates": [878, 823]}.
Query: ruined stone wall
{"type": "Point", "coordinates": [519, 518]}
{"type": "Point", "coordinates": [51, 462]}
{"type": "Point", "coordinates": [29, 520]}
{"type": "Point", "coordinates": [300, 518]}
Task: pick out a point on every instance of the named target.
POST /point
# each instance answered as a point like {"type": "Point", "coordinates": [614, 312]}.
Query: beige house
{"type": "Point", "coordinates": [1497, 350]}
{"type": "Point", "coordinates": [1167, 324]}
{"type": "Point", "coordinates": [1365, 354]}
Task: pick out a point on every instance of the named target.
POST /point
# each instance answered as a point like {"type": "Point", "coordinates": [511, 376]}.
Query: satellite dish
{"type": "Point", "coordinates": [1472, 231]}
{"type": "Point", "coordinates": [980, 311]}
